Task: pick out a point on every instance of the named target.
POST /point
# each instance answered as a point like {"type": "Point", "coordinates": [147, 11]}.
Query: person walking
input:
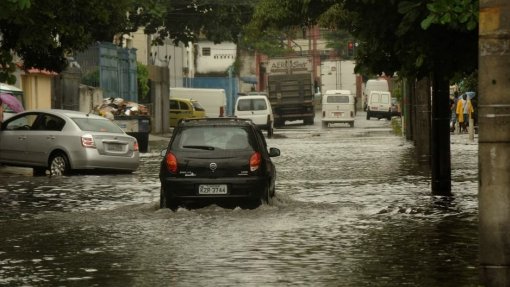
{"type": "Point", "coordinates": [460, 113]}
{"type": "Point", "coordinates": [468, 111]}
{"type": "Point", "coordinates": [453, 114]}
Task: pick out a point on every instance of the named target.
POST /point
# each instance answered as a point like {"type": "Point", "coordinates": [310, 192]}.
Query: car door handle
{"type": "Point", "coordinates": [22, 138]}
{"type": "Point", "coordinates": [50, 137]}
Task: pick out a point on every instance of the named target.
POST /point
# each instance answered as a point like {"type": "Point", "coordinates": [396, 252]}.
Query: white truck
{"type": "Point", "coordinates": [214, 101]}
{"type": "Point", "coordinates": [290, 89]}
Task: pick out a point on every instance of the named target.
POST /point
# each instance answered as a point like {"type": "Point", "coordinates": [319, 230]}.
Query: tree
{"type": "Point", "coordinates": [435, 38]}
{"type": "Point", "coordinates": [43, 32]}
{"type": "Point", "coordinates": [184, 21]}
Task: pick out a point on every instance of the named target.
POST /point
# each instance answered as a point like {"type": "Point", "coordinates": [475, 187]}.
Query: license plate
{"type": "Point", "coordinates": [115, 147]}
{"type": "Point", "coordinates": [212, 189]}
{"type": "Point", "coordinates": [337, 114]}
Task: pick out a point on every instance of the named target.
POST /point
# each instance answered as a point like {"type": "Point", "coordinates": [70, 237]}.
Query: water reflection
{"type": "Point", "coordinates": [348, 212]}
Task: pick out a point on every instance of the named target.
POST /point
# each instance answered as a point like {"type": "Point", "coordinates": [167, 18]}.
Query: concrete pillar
{"type": "Point", "coordinates": [494, 142]}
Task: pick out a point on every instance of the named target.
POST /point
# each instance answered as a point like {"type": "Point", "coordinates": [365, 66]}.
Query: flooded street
{"type": "Point", "coordinates": [353, 208]}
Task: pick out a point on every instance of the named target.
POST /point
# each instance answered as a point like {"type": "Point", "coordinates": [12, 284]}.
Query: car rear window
{"type": "Point", "coordinates": [213, 138]}
{"type": "Point", "coordinates": [251, 105]}
{"type": "Point", "coordinates": [97, 125]}
{"type": "Point", "coordinates": [337, 99]}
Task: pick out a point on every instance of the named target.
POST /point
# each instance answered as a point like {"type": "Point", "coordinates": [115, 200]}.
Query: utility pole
{"type": "Point", "coordinates": [494, 142]}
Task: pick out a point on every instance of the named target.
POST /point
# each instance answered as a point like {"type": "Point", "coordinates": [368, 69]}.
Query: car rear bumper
{"type": "Point", "coordinates": [186, 189]}
{"type": "Point", "coordinates": [338, 120]}
{"type": "Point", "coordinates": [91, 159]}
{"type": "Point", "coordinates": [380, 114]}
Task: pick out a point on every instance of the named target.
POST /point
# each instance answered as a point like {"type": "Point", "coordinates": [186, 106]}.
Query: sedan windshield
{"type": "Point", "coordinates": [97, 125]}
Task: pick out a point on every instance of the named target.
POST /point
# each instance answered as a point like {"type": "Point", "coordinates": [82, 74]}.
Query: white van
{"type": "Point", "coordinates": [257, 108]}
{"type": "Point", "coordinates": [373, 85]}
{"type": "Point", "coordinates": [379, 105]}
{"type": "Point", "coordinates": [214, 101]}
{"type": "Point", "coordinates": [338, 106]}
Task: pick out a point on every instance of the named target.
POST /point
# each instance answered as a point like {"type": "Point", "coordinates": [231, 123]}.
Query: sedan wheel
{"type": "Point", "coordinates": [164, 201]}
{"type": "Point", "coordinates": [59, 165]}
{"type": "Point", "coordinates": [268, 196]}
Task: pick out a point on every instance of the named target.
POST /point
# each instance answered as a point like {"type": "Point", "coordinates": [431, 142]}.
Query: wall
{"type": "Point", "coordinates": [37, 89]}
{"type": "Point", "coordinates": [221, 56]}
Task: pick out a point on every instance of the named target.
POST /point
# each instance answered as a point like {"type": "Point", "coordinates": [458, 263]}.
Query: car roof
{"type": "Point", "coordinates": [256, 94]}
{"type": "Point", "coordinates": [184, 99]}
{"type": "Point", "coordinates": [225, 121]}
{"type": "Point", "coordinates": [252, 97]}
{"type": "Point", "coordinates": [67, 113]}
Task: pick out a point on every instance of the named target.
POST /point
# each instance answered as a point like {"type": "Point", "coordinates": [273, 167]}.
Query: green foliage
{"type": "Point", "coordinates": [91, 79]}
{"type": "Point", "coordinates": [143, 81]}
{"type": "Point", "coordinates": [184, 21]}
{"type": "Point", "coordinates": [389, 34]}
{"type": "Point", "coordinates": [460, 14]}
{"type": "Point", "coordinates": [43, 32]}
{"type": "Point", "coordinates": [338, 40]}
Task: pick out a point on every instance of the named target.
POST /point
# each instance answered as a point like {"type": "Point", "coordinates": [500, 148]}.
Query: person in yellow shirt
{"type": "Point", "coordinates": [459, 110]}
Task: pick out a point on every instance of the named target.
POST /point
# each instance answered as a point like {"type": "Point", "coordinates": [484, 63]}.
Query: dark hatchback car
{"type": "Point", "coordinates": [224, 161]}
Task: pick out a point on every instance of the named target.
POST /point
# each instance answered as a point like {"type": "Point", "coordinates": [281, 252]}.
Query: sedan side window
{"type": "Point", "coordinates": [22, 123]}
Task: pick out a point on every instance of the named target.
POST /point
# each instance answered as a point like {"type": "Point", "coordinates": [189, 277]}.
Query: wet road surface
{"type": "Point", "coordinates": [353, 208]}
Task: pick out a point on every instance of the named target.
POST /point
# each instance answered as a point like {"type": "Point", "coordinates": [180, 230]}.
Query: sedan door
{"type": "Point", "coordinates": [41, 140]}
{"type": "Point", "coordinates": [14, 138]}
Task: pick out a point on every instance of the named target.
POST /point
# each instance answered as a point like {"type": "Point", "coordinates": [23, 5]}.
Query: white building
{"type": "Point", "coordinates": [214, 58]}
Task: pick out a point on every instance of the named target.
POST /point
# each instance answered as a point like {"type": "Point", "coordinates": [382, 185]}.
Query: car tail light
{"type": "Point", "coordinates": [171, 163]}
{"type": "Point", "coordinates": [255, 161]}
{"type": "Point", "coordinates": [135, 146]}
{"type": "Point", "coordinates": [323, 114]}
{"type": "Point", "coordinates": [88, 141]}
{"type": "Point", "coordinates": [268, 120]}
{"type": "Point", "coordinates": [222, 111]}
{"type": "Point", "coordinates": [352, 114]}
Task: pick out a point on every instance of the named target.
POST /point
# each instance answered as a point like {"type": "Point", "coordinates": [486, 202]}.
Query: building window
{"type": "Point", "coordinates": [206, 51]}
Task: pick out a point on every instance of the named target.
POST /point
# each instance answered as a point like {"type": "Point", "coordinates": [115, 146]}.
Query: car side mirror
{"type": "Point", "coordinates": [274, 152]}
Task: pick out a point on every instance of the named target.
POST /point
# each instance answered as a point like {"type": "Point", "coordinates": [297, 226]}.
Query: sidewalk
{"type": "Point", "coordinates": [160, 137]}
{"type": "Point", "coordinates": [456, 138]}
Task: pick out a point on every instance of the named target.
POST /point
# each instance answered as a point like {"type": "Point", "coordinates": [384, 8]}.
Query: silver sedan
{"type": "Point", "coordinates": [63, 141]}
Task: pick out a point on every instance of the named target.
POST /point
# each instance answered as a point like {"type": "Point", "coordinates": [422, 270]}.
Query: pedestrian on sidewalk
{"type": "Point", "coordinates": [468, 110]}
{"type": "Point", "coordinates": [453, 114]}
{"type": "Point", "coordinates": [460, 113]}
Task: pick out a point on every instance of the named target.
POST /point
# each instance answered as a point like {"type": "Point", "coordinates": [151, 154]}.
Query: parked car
{"type": "Point", "coordinates": [379, 105]}
{"type": "Point", "coordinates": [257, 108]}
{"type": "Point", "coordinates": [63, 141]}
{"type": "Point", "coordinates": [184, 109]}
{"type": "Point", "coordinates": [338, 106]}
{"type": "Point", "coordinates": [217, 160]}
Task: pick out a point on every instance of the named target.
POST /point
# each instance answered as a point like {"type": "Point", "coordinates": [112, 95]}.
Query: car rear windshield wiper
{"type": "Point", "coordinates": [204, 147]}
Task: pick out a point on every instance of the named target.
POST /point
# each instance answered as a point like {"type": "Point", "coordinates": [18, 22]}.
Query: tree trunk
{"type": "Point", "coordinates": [440, 136]}
{"type": "Point", "coordinates": [408, 110]}
{"type": "Point", "coordinates": [421, 121]}
{"type": "Point", "coordinates": [494, 143]}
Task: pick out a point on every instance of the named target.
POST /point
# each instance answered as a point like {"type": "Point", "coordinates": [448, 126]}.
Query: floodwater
{"type": "Point", "coordinates": [353, 208]}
